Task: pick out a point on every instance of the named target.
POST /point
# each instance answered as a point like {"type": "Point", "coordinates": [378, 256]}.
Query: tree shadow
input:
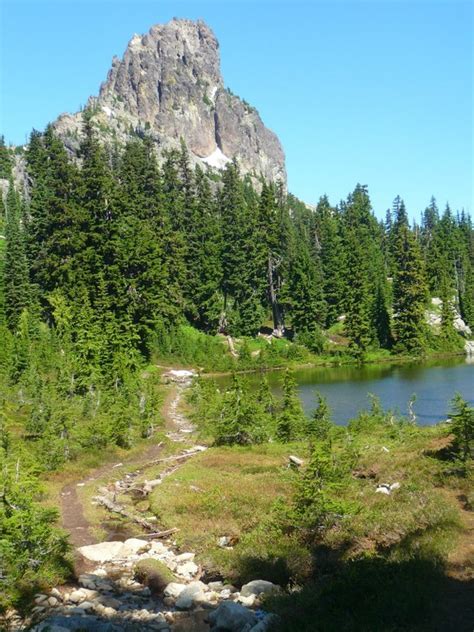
{"type": "Point", "coordinates": [376, 595]}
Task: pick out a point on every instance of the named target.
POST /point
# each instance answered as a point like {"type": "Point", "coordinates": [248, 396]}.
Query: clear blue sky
{"type": "Point", "coordinates": [376, 92]}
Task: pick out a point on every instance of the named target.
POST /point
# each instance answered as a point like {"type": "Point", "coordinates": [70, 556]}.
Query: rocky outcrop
{"type": "Point", "coordinates": [169, 85]}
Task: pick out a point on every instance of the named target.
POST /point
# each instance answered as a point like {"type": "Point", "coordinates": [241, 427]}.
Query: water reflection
{"type": "Point", "coordinates": [347, 388]}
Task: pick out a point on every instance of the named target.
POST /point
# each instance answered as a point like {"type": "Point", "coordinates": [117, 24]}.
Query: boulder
{"type": "Point", "coordinates": [134, 546]}
{"type": "Point", "coordinates": [174, 590]}
{"type": "Point", "coordinates": [82, 594]}
{"type": "Point", "coordinates": [258, 587]}
{"type": "Point", "coordinates": [232, 617]}
{"type": "Point", "coordinates": [102, 552]}
{"type": "Point", "coordinates": [187, 596]}
{"type": "Point", "coordinates": [188, 569]}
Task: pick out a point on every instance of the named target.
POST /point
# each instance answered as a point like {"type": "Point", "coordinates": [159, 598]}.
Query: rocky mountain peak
{"type": "Point", "coordinates": [169, 85]}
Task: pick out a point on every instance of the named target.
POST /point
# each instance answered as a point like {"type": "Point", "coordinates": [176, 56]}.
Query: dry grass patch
{"type": "Point", "coordinates": [223, 492]}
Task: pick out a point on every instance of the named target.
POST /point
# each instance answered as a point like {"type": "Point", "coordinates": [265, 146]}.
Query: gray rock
{"type": "Point", "coordinates": [102, 552]}
{"type": "Point", "coordinates": [174, 590]}
{"type": "Point", "coordinates": [187, 596]}
{"type": "Point", "coordinates": [188, 569]}
{"type": "Point", "coordinates": [266, 623]}
{"type": "Point", "coordinates": [169, 84]}
{"type": "Point", "coordinates": [257, 587]}
{"type": "Point", "coordinates": [232, 617]}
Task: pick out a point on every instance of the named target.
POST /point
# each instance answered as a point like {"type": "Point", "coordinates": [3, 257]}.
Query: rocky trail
{"type": "Point", "coordinates": [111, 592]}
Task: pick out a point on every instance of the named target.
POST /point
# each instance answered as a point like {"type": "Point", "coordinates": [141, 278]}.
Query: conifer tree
{"type": "Point", "coordinates": [291, 421]}
{"type": "Point", "coordinates": [204, 257]}
{"type": "Point", "coordinates": [242, 281]}
{"type": "Point", "coordinates": [6, 161]}
{"type": "Point", "coordinates": [409, 290]}
{"type": "Point", "coordinates": [320, 424]}
{"type": "Point", "coordinates": [331, 254]}
{"type": "Point", "coordinates": [447, 330]}
{"type": "Point", "coordinates": [17, 289]}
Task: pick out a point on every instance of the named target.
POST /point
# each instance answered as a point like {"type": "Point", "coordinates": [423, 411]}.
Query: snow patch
{"type": "Point", "coordinates": [217, 159]}
{"type": "Point", "coordinates": [107, 110]}
{"type": "Point", "coordinates": [212, 94]}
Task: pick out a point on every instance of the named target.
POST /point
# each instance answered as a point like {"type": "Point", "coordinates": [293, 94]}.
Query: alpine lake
{"type": "Point", "coordinates": [430, 386]}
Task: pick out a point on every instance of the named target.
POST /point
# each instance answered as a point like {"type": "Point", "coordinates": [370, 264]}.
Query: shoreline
{"type": "Point", "coordinates": [332, 364]}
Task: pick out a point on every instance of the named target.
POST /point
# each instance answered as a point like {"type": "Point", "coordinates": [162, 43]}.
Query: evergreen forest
{"type": "Point", "coordinates": [112, 263]}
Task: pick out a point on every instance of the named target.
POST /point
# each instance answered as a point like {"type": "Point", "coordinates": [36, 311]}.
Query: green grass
{"type": "Point", "coordinates": [377, 568]}
{"type": "Point", "coordinates": [223, 492]}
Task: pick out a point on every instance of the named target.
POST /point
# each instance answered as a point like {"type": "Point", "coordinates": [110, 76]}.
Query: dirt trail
{"type": "Point", "coordinates": [73, 518]}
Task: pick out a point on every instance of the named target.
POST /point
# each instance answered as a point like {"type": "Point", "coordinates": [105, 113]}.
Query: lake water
{"type": "Point", "coordinates": [347, 388]}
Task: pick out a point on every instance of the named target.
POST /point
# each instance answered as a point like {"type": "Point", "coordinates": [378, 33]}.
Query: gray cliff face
{"type": "Point", "coordinates": [169, 85]}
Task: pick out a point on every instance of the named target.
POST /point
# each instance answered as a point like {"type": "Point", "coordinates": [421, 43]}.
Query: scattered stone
{"type": "Point", "coordinates": [258, 587]}
{"type": "Point", "coordinates": [185, 557]}
{"type": "Point", "coordinates": [187, 596]}
{"type": "Point", "coordinates": [189, 569]}
{"type": "Point", "coordinates": [134, 546]}
{"type": "Point", "coordinates": [248, 601]}
{"type": "Point", "coordinates": [52, 601]}
{"type": "Point", "coordinates": [82, 594]}
{"type": "Point", "coordinates": [102, 552]}
{"type": "Point", "coordinates": [232, 617]}
{"type": "Point", "coordinates": [174, 590]}
{"type": "Point", "coordinates": [109, 602]}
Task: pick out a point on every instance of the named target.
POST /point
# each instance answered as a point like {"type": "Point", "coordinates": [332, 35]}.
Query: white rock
{"type": "Point", "coordinates": [55, 593]}
{"type": "Point", "coordinates": [257, 587]}
{"type": "Point", "coordinates": [40, 598]}
{"type": "Point", "coordinates": [52, 601]}
{"type": "Point", "coordinates": [187, 596]}
{"type": "Point", "coordinates": [206, 599]}
{"type": "Point", "coordinates": [87, 605]}
{"type": "Point", "coordinates": [248, 601]}
{"type": "Point", "coordinates": [133, 546]}
{"type": "Point", "coordinates": [82, 594]}
{"type": "Point", "coordinates": [185, 557]}
{"type": "Point", "coordinates": [174, 590]}
{"type": "Point", "coordinates": [188, 569]}
{"type": "Point", "coordinates": [149, 486]}
{"type": "Point", "coordinates": [158, 547]}
{"type": "Point", "coordinates": [102, 552]}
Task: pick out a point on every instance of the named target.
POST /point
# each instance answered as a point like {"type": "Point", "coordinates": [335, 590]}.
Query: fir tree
{"type": "Point", "coordinates": [291, 421]}
{"type": "Point", "coordinates": [409, 290]}
{"type": "Point", "coordinates": [6, 161]}
{"type": "Point", "coordinates": [320, 424]}
{"type": "Point", "coordinates": [17, 289]}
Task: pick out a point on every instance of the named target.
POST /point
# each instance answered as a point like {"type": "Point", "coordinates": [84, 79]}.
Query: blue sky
{"type": "Point", "coordinates": [377, 92]}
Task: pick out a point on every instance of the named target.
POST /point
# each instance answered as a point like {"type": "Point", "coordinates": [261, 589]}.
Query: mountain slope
{"type": "Point", "coordinates": [169, 85]}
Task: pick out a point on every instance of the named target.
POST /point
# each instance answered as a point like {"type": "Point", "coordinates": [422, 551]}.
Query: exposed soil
{"type": "Point", "coordinates": [73, 518]}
